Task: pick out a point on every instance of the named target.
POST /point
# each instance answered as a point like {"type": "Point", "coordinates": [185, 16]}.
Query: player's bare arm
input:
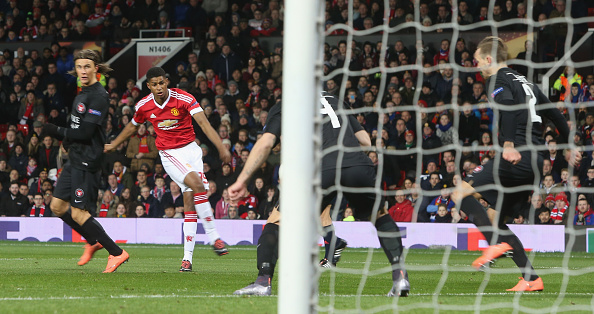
{"type": "Point", "coordinates": [258, 155]}
{"type": "Point", "coordinates": [128, 131]}
{"type": "Point", "coordinates": [363, 138]}
{"type": "Point", "coordinates": [212, 135]}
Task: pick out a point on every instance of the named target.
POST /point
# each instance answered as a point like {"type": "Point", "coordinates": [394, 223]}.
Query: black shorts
{"type": "Point", "coordinates": [363, 203]}
{"type": "Point", "coordinates": [510, 176]}
{"type": "Point", "coordinates": [80, 187]}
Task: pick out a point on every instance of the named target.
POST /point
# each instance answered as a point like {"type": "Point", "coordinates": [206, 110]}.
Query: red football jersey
{"type": "Point", "coordinates": [172, 120]}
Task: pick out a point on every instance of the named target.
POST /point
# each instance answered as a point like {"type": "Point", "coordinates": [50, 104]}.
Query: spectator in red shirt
{"type": "Point", "coordinates": [95, 21]}
{"type": "Point", "coordinates": [403, 210]}
{"type": "Point", "coordinates": [247, 203]}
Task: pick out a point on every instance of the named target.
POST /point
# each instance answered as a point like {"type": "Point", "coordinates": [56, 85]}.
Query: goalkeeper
{"type": "Point", "coordinates": [356, 171]}
{"type": "Point", "coordinates": [520, 103]}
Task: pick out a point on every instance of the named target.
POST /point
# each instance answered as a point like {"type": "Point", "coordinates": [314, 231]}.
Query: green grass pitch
{"type": "Point", "coordinates": [44, 278]}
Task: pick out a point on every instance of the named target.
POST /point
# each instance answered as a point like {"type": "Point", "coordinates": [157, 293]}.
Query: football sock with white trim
{"type": "Point", "coordinates": [190, 225]}
{"type": "Point", "coordinates": [205, 212]}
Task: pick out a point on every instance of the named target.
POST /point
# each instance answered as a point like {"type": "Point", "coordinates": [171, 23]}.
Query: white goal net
{"type": "Point", "coordinates": [406, 69]}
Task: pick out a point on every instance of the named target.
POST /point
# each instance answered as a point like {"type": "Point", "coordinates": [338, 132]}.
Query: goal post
{"type": "Point", "coordinates": [298, 231]}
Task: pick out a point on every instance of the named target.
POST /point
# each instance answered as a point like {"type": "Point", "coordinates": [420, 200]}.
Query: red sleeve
{"type": "Point", "coordinates": [190, 103]}
{"type": "Point", "coordinates": [139, 117]}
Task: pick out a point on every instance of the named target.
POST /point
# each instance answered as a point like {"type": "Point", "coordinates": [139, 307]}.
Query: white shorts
{"type": "Point", "coordinates": [179, 162]}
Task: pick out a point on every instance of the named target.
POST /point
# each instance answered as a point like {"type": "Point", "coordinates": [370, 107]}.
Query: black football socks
{"type": "Point", "coordinates": [267, 254]}
{"type": "Point", "coordinates": [478, 215]}
{"type": "Point", "coordinates": [67, 218]}
{"type": "Point", "coordinates": [95, 230]}
{"type": "Point", "coordinates": [519, 254]}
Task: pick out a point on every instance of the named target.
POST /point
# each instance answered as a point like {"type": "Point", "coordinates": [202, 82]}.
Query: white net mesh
{"type": "Point", "coordinates": [540, 47]}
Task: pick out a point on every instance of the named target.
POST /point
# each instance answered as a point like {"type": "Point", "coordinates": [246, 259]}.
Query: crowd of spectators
{"type": "Point", "coordinates": [237, 81]}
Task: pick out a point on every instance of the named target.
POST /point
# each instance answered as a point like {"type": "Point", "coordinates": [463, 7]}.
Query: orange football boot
{"type": "Point", "coordinates": [89, 252]}
{"type": "Point", "coordinates": [113, 262]}
{"type": "Point", "coordinates": [523, 285]}
{"type": "Point", "coordinates": [490, 254]}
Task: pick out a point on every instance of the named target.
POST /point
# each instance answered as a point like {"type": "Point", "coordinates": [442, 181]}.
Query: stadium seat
{"type": "Point", "coordinates": [3, 128]}
{"type": "Point", "coordinates": [23, 128]}
{"type": "Point", "coordinates": [591, 13]}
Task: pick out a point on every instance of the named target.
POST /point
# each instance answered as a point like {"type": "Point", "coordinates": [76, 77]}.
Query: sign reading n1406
{"type": "Point", "coordinates": [160, 49]}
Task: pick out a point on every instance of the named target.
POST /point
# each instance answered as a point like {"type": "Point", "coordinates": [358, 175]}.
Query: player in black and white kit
{"type": "Point", "coordinates": [78, 184]}
{"type": "Point", "coordinates": [518, 126]}
{"type": "Point", "coordinates": [356, 171]}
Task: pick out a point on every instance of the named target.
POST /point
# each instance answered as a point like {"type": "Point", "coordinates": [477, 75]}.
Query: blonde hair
{"type": "Point", "coordinates": [94, 56]}
{"type": "Point", "coordinates": [487, 46]}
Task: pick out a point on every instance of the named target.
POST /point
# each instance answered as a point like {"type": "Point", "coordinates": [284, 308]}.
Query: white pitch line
{"type": "Point", "coordinates": [165, 296]}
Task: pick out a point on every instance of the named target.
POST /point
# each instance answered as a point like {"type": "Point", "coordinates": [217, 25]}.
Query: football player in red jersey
{"type": "Point", "coordinates": [170, 111]}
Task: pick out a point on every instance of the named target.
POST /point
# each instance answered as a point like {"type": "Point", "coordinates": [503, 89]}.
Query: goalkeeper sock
{"type": "Point", "coordinates": [190, 225]}
{"type": "Point", "coordinates": [267, 250]}
{"type": "Point", "coordinates": [205, 212]}
{"type": "Point", "coordinates": [478, 215]}
{"type": "Point", "coordinates": [518, 254]}
{"type": "Point", "coordinates": [67, 218]}
{"type": "Point", "coordinates": [389, 238]}
{"type": "Point", "coordinates": [96, 231]}
{"type": "Point", "coordinates": [328, 237]}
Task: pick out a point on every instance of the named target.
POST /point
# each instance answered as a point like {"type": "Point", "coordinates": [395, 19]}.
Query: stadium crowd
{"type": "Point", "coordinates": [237, 81]}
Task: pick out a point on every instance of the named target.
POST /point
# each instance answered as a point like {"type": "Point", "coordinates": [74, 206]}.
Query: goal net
{"type": "Point", "coordinates": [406, 69]}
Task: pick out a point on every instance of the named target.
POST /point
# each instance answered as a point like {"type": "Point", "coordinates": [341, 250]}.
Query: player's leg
{"type": "Point", "coordinates": [181, 164]}
{"type": "Point", "coordinates": [466, 195]}
{"type": "Point", "coordinates": [61, 208]}
{"type": "Point", "coordinates": [85, 196]}
{"type": "Point", "coordinates": [333, 245]}
{"type": "Point", "coordinates": [197, 182]}
{"type": "Point", "coordinates": [387, 230]}
{"type": "Point", "coordinates": [530, 280]}
{"type": "Point", "coordinates": [189, 228]}
{"type": "Point", "coordinates": [267, 256]}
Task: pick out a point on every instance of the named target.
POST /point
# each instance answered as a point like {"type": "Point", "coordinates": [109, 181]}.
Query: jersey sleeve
{"type": "Point", "coordinates": [98, 105]}
{"type": "Point", "coordinates": [503, 95]}
{"type": "Point", "coordinates": [138, 117]}
{"type": "Point", "coordinates": [273, 123]}
{"type": "Point", "coordinates": [355, 124]}
{"type": "Point", "coordinates": [192, 104]}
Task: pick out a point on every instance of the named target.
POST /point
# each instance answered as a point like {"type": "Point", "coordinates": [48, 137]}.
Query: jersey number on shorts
{"type": "Point", "coordinates": [330, 112]}
{"type": "Point", "coordinates": [534, 117]}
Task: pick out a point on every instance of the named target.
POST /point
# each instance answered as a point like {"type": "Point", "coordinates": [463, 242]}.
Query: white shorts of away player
{"type": "Point", "coordinates": [179, 162]}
